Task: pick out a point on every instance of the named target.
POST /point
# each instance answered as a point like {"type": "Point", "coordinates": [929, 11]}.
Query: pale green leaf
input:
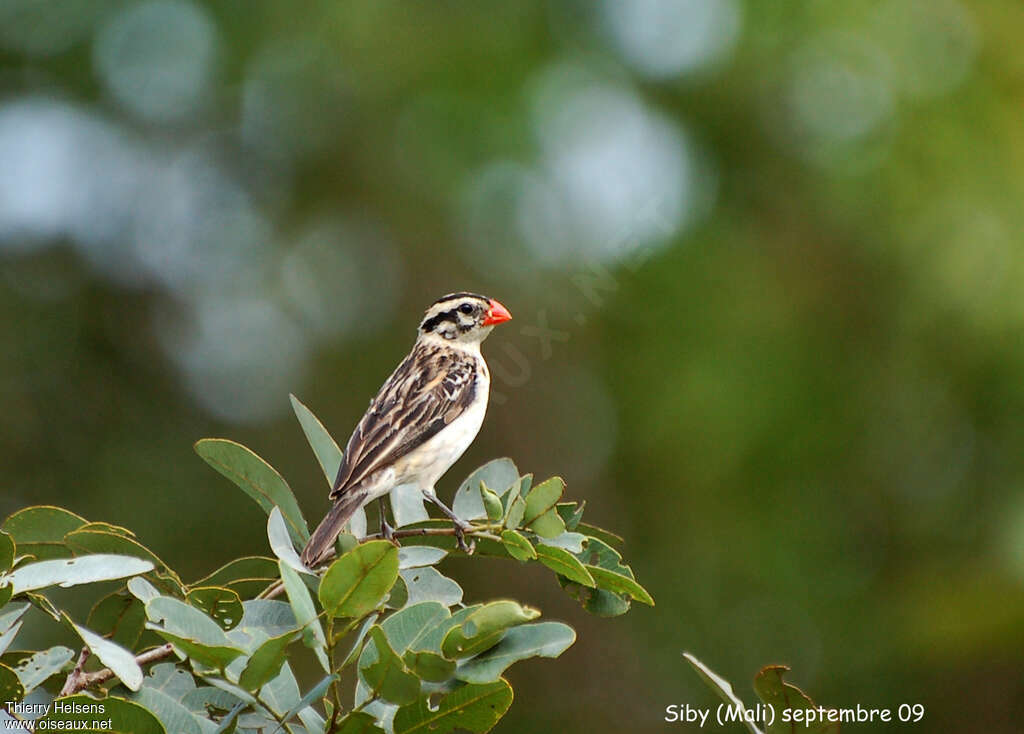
{"type": "Point", "coordinates": [120, 661]}
{"type": "Point", "coordinates": [484, 627]}
{"type": "Point", "coordinates": [429, 584]}
{"type": "Point", "coordinates": [543, 639]}
{"type": "Point", "coordinates": [75, 571]}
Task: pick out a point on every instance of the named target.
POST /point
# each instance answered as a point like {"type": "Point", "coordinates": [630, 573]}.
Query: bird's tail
{"type": "Point", "coordinates": [321, 543]}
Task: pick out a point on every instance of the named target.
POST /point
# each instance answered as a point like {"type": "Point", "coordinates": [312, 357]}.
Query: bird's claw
{"type": "Point", "coordinates": [387, 532]}
{"type": "Point", "coordinates": [460, 538]}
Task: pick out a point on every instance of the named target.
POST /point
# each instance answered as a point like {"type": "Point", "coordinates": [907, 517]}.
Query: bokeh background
{"type": "Point", "coordinates": [765, 260]}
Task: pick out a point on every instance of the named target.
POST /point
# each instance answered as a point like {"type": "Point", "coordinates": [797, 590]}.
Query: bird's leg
{"type": "Point", "coordinates": [461, 526]}
{"type": "Point", "coordinates": [386, 531]}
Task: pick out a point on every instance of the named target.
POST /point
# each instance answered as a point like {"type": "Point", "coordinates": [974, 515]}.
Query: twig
{"type": "Point", "coordinates": [81, 681]}
{"type": "Point", "coordinates": [76, 674]}
{"type": "Point", "coordinates": [274, 590]}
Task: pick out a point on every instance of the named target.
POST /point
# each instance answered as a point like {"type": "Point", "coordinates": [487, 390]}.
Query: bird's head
{"type": "Point", "coordinates": [462, 317]}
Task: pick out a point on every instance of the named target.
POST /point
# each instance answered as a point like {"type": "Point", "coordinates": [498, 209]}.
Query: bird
{"type": "Point", "coordinates": [423, 418]}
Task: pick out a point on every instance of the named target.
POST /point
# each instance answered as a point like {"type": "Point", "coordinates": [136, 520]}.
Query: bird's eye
{"type": "Point", "coordinates": [466, 308]}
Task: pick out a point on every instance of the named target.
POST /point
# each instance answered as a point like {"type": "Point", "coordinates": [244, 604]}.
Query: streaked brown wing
{"type": "Point", "coordinates": [430, 389]}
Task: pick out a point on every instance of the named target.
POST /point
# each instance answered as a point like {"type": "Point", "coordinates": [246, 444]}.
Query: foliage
{"type": "Point", "coordinates": [219, 651]}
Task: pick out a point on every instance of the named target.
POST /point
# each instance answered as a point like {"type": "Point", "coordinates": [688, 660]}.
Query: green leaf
{"type": "Point", "coordinates": [257, 479]}
{"type": "Point", "coordinates": [548, 525]}
{"type": "Point", "coordinates": [281, 542]}
{"type": "Point", "coordinates": [515, 512]}
{"type": "Point", "coordinates": [543, 498]}
{"type": "Point", "coordinates": [499, 474]}
{"type": "Point", "coordinates": [173, 714]}
{"type": "Point", "coordinates": [399, 595]}
{"type": "Point", "coordinates": [571, 513]}
{"type": "Point", "coordinates": [359, 722]}
{"type": "Point", "coordinates": [484, 627]}
{"type": "Point", "coordinates": [7, 638]}
{"type": "Point", "coordinates": [474, 708]}
{"type": "Point", "coordinates": [222, 605]}
{"type": "Point", "coordinates": [518, 547]}
{"type": "Point", "coordinates": [229, 723]}
{"type": "Point", "coordinates": [43, 604]}
{"type": "Point", "coordinates": [247, 577]}
{"type": "Point", "coordinates": [75, 571]}
{"type": "Point", "coordinates": [387, 676]}
{"type": "Point", "coordinates": [6, 552]}
{"type": "Point", "coordinates": [429, 584]}
{"type": "Point", "coordinates": [191, 631]}
{"type": "Point", "coordinates": [431, 637]}
{"type": "Point", "coordinates": [327, 452]}
{"type": "Point", "coordinates": [6, 594]}
{"type": "Point", "coordinates": [406, 505]}
{"type": "Point", "coordinates": [10, 615]}
{"type": "Point", "coordinates": [598, 602]}
{"type": "Point", "coordinates": [90, 540]}
{"type": "Point", "coordinates": [266, 662]}
{"type": "Point", "coordinates": [282, 692]}
{"type": "Point", "coordinates": [120, 661]}
{"type": "Point", "coordinates": [262, 619]}
{"type": "Point", "coordinates": [360, 580]}
{"type": "Point", "coordinates": [611, 581]}
{"type": "Point", "coordinates": [492, 503]}
{"type": "Point", "coordinates": [605, 564]}
{"type": "Point", "coordinates": [207, 700]}
{"type": "Point", "coordinates": [11, 688]}
{"type": "Point", "coordinates": [723, 688]}
{"type": "Point", "coordinates": [781, 696]}
{"type": "Point", "coordinates": [428, 665]}
{"type": "Point", "coordinates": [142, 589]}
{"type": "Point", "coordinates": [543, 639]}
{"type": "Point", "coordinates": [314, 694]}
{"type": "Point", "coordinates": [305, 613]}
{"type": "Point", "coordinates": [605, 536]}
{"type": "Point", "coordinates": [103, 538]}
{"type": "Point", "coordinates": [35, 669]}
{"type": "Point", "coordinates": [125, 717]}
{"type": "Point", "coordinates": [170, 679]}
{"type": "Point", "coordinates": [563, 562]}
{"type": "Point", "coordinates": [419, 556]}
{"type": "Point", "coordinates": [407, 628]}
{"type": "Point", "coordinates": [119, 617]}
{"type": "Point", "coordinates": [570, 541]}
{"type": "Point", "coordinates": [39, 531]}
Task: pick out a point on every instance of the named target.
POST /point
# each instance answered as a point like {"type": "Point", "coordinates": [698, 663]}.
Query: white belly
{"type": "Point", "coordinates": [427, 463]}
{"type": "Point", "coordinates": [438, 454]}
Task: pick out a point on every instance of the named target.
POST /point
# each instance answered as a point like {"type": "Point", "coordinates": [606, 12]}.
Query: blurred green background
{"type": "Point", "coordinates": [765, 262]}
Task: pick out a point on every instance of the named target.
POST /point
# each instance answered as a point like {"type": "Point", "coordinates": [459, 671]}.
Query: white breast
{"type": "Point", "coordinates": [431, 460]}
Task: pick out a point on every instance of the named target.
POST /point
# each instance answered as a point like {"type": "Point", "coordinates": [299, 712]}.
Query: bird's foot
{"type": "Point", "coordinates": [461, 529]}
{"type": "Point", "coordinates": [461, 526]}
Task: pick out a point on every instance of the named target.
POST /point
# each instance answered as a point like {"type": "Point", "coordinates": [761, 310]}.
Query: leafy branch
{"type": "Point", "coordinates": [213, 655]}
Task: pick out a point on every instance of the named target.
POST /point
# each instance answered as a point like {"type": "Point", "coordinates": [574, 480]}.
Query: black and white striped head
{"type": "Point", "coordinates": [463, 317]}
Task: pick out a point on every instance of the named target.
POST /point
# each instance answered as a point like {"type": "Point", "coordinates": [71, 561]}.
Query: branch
{"type": "Point", "coordinates": [274, 590]}
{"type": "Point", "coordinates": [75, 675]}
{"type": "Point", "coordinates": [78, 681]}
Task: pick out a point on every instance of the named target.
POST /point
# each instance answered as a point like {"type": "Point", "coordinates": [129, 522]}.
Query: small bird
{"type": "Point", "coordinates": [422, 420]}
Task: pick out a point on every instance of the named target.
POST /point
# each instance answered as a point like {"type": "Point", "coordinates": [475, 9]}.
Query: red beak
{"type": "Point", "coordinates": [497, 315]}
